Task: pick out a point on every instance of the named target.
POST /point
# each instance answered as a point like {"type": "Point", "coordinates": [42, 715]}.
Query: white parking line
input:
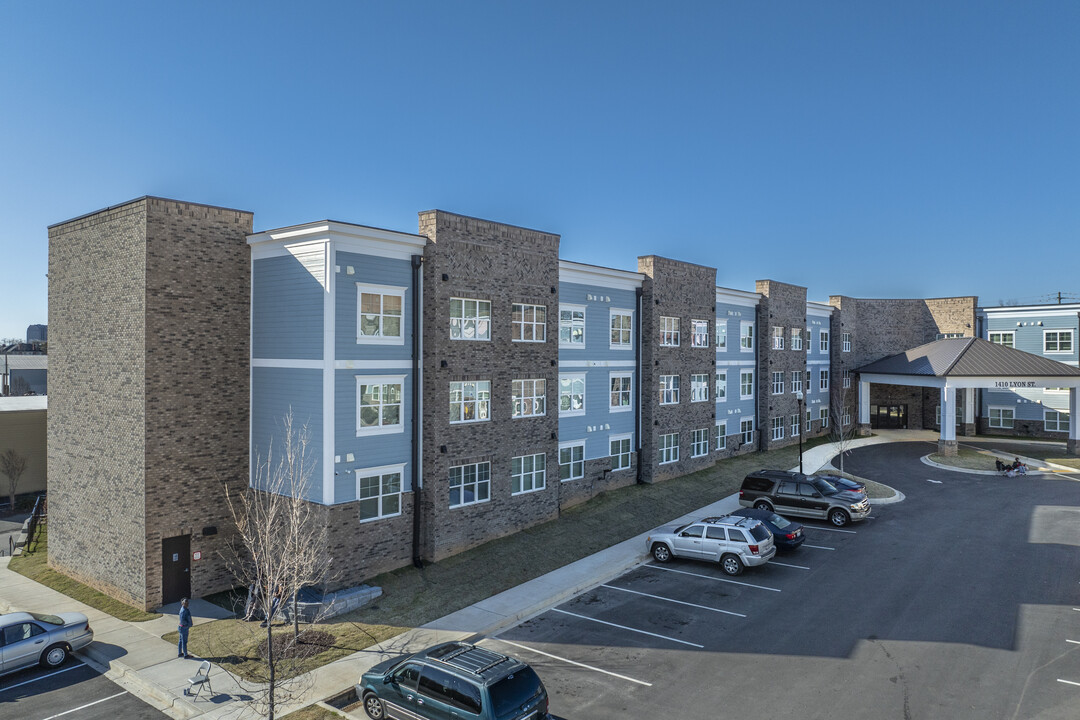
{"type": "Point", "coordinates": [575, 662]}
{"type": "Point", "coordinates": [815, 527]}
{"type": "Point", "coordinates": [1069, 682]}
{"type": "Point", "coordinates": [819, 547]}
{"type": "Point", "coordinates": [623, 627]}
{"type": "Point", "coordinates": [680, 602]}
{"type": "Point", "coordinates": [1074, 642]}
{"type": "Point", "coordinates": [27, 682]}
{"type": "Point", "coordinates": [708, 577]}
{"type": "Point", "coordinates": [83, 707]}
{"type": "Point", "coordinates": [797, 567]}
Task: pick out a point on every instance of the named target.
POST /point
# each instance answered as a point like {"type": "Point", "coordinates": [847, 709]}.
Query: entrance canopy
{"type": "Point", "coordinates": [968, 364]}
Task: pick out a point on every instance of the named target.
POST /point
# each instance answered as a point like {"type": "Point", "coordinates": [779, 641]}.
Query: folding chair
{"type": "Point", "coordinates": [202, 677]}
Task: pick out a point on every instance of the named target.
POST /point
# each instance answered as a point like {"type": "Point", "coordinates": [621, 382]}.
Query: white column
{"type": "Point", "coordinates": [948, 414]}
{"type": "Point", "coordinates": [864, 403]}
{"type": "Point", "coordinates": [970, 399]}
{"type": "Point", "coordinates": [1074, 421]}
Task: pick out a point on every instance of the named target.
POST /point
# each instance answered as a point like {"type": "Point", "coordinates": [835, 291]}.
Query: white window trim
{"type": "Point", "coordinates": [612, 313]}
{"type": "Point", "coordinates": [694, 444]}
{"type": "Point", "coordinates": [1063, 417]}
{"type": "Point", "coordinates": [796, 339]}
{"type": "Point", "coordinates": [533, 397]}
{"type": "Point", "coordinates": [533, 473]}
{"type": "Point", "coordinates": [823, 416]}
{"type": "Point", "coordinates": [473, 502]}
{"type": "Point", "coordinates": [621, 408]}
{"type": "Point", "coordinates": [567, 445]}
{"type": "Point", "coordinates": [664, 332]}
{"type": "Point", "coordinates": [721, 436]}
{"type": "Point", "coordinates": [703, 385]}
{"type": "Point", "coordinates": [1001, 408]}
{"type": "Point", "coordinates": [672, 450]}
{"type": "Point", "coordinates": [380, 380]}
{"type": "Point", "coordinates": [777, 337]}
{"type": "Point", "coordinates": [533, 323]}
{"type": "Point", "coordinates": [477, 338]}
{"type": "Point", "coordinates": [572, 377]}
{"type": "Point", "coordinates": [752, 379]}
{"type": "Point", "coordinates": [845, 376]}
{"type": "Point", "coordinates": [796, 425]}
{"type": "Point", "coordinates": [380, 471]}
{"type": "Point", "coordinates": [823, 340]}
{"type": "Point", "coordinates": [743, 430]}
{"type": "Point", "coordinates": [630, 454]}
{"type": "Point", "coordinates": [845, 340]}
{"type": "Point", "coordinates": [676, 390]}
{"type": "Point", "coordinates": [823, 380]}
{"type": "Point", "coordinates": [774, 383]}
{"type": "Point", "coordinates": [743, 325]}
{"type": "Point", "coordinates": [721, 324]}
{"type": "Point", "coordinates": [796, 385]}
{"type": "Point", "coordinates": [584, 326]}
{"type": "Point", "coordinates": [716, 392]}
{"type": "Point", "coordinates": [1059, 332]}
{"type": "Point", "coordinates": [1010, 333]}
{"type": "Point", "coordinates": [477, 419]}
{"type": "Point", "coordinates": [380, 290]}
{"type": "Point", "coordinates": [694, 333]}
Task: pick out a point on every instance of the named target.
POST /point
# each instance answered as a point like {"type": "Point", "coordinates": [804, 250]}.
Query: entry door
{"type": "Point", "coordinates": [175, 568]}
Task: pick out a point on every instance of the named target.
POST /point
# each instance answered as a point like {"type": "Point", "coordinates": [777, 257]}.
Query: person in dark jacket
{"type": "Point", "coordinates": [185, 625]}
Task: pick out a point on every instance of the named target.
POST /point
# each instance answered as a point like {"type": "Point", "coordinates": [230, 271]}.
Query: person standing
{"type": "Point", "coordinates": [185, 625]}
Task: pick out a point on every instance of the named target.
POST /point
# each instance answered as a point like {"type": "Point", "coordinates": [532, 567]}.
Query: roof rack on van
{"type": "Point", "coordinates": [472, 659]}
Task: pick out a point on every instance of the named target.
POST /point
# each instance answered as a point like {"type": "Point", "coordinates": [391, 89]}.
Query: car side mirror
{"type": "Point", "coordinates": [817, 494]}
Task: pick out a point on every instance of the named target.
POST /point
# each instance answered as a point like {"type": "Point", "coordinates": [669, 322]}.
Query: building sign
{"type": "Point", "coordinates": [197, 555]}
{"type": "Point", "coordinates": [1014, 383]}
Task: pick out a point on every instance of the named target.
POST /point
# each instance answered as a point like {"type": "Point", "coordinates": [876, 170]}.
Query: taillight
{"type": "Point", "coordinates": [754, 549]}
{"type": "Point", "coordinates": [790, 536]}
{"type": "Point", "coordinates": [740, 493]}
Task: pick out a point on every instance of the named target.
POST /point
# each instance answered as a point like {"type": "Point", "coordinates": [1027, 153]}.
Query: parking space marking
{"type": "Point", "coordinates": [709, 577]}
{"type": "Point", "coordinates": [83, 707]}
{"type": "Point", "coordinates": [1068, 682]}
{"type": "Point", "coordinates": [815, 527]}
{"type": "Point", "coordinates": [680, 602]}
{"type": "Point", "coordinates": [797, 567]}
{"type": "Point", "coordinates": [575, 662]}
{"type": "Point", "coordinates": [623, 627]}
{"type": "Point", "coordinates": [819, 547]}
{"type": "Point", "coordinates": [27, 682]}
{"type": "Point", "coordinates": [1074, 642]}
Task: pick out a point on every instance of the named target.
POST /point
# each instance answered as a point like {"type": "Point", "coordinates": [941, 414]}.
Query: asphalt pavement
{"type": "Point", "coordinates": [75, 691]}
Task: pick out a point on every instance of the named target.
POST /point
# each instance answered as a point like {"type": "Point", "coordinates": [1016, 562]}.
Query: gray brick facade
{"type": "Point", "coordinates": [782, 306]}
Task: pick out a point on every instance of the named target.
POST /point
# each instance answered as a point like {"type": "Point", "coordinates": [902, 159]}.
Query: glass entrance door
{"type": "Point", "coordinates": [888, 417]}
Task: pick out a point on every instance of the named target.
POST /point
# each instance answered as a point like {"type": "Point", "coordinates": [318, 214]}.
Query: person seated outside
{"type": "Point", "coordinates": [1019, 467]}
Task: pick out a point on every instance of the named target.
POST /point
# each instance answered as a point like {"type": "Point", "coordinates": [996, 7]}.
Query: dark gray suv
{"type": "Point", "coordinates": [790, 493]}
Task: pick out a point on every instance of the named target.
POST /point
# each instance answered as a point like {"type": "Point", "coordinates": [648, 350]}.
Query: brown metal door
{"type": "Point", "coordinates": [175, 568]}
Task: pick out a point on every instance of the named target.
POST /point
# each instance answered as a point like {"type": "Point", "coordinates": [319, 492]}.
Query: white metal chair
{"type": "Point", "coordinates": [200, 678]}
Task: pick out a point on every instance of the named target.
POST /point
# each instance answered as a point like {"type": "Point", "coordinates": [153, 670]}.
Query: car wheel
{"type": "Point", "coordinates": [839, 518]}
{"type": "Point", "coordinates": [373, 707]}
{"type": "Point", "coordinates": [731, 564]}
{"type": "Point", "coordinates": [762, 505]}
{"type": "Point", "coordinates": [661, 552]}
{"type": "Point", "coordinates": [54, 656]}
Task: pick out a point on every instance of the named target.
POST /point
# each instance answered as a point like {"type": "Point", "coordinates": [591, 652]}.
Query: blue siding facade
{"type": "Point", "coordinates": [274, 392]}
{"type": "Point", "coordinates": [731, 360]}
{"type": "Point", "coordinates": [377, 271]}
{"type": "Point", "coordinates": [286, 309]}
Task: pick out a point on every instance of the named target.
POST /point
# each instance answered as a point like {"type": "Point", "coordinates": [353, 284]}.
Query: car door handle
{"type": "Point", "coordinates": [408, 697]}
{"type": "Point", "coordinates": [419, 701]}
{"type": "Point", "coordinates": [38, 642]}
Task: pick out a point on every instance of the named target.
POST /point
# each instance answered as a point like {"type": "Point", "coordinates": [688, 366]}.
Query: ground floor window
{"type": "Point", "coordinates": [1001, 417]}
{"type": "Point", "coordinates": [847, 418]}
{"type": "Point", "coordinates": [528, 473]}
{"type": "Point", "coordinates": [720, 435]}
{"type": "Point", "coordinates": [746, 427]}
{"type": "Point", "coordinates": [701, 443]}
{"type": "Point", "coordinates": [1055, 421]}
{"type": "Point", "coordinates": [669, 448]}
{"type": "Point", "coordinates": [778, 428]}
{"type": "Point", "coordinates": [572, 461]}
{"type": "Point", "coordinates": [620, 452]}
{"type": "Point", "coordinates": [470, 484]}
{"type": "Point", "coordinates": [795, 425]}
{"type": "Point", "coordinates": [823, 416]}
{"type": "Point", "coordinates": [379, 492]}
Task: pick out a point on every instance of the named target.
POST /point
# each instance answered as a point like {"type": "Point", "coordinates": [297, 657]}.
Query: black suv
{"type": "Point", "coordinates": [453, 680]}
{"type": "Point", "coordinates": [790, 493]}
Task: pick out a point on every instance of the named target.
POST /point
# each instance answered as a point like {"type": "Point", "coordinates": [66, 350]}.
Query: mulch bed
{"type": "Point", "coordinates": [311, 642]}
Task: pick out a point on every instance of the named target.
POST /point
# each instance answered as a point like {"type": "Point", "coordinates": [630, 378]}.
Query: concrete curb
{"type": "Point", "coordinates": [147, 691]}
{"type": "Point", "coordinates": [969, 471]}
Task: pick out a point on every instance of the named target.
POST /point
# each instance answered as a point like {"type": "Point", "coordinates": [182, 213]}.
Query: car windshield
{"type": "Point", "coordinates": [759, 532]}
{"type": "Point", "coordinates": [515, 690]}
{"type": "Point", "coordinates": [824, 486]}
{"type": "Point", "coordinates": [50, 619]}
{"type": "Point", "coordinates": [779, 521]}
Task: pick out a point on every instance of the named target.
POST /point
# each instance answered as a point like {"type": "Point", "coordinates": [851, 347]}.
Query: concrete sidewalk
{"type": "Point", "coordinates": [135, 656]}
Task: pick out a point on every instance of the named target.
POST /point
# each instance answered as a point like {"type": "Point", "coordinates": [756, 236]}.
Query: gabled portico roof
{"type": "Point", "coordinates": [968, 357]}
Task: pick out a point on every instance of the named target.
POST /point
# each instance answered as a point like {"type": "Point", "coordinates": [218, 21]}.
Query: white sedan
{"type": "Point", "coordinates": [30, 638]}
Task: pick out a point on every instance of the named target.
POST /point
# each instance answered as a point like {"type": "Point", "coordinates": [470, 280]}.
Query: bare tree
{"type": "Point", "coordinates": [842, 433]}
{"type": "Point", "coordinates": [13, 465]}
{"type": "Point", "coordinates": [279, 548]}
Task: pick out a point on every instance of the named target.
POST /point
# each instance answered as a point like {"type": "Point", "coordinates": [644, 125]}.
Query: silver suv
{"type": "Point", "coordinates": [734, 542]}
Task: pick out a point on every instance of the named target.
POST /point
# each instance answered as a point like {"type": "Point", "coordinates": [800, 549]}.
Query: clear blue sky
{"type": "Point", "coordinates": [903, 149]}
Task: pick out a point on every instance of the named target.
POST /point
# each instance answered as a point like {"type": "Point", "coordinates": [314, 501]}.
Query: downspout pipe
{"type": "Point", "coordinates": [417, 409]}
{"type": "Point", "coordinates": [640, 383]}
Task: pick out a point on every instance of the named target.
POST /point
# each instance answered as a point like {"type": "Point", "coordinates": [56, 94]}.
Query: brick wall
{"type": "Point", "coordinates": [503, 264]}
{"type": "Point", "coordinates": [687, 292]}
{"type": "Point", "coordinates": [784, 306]}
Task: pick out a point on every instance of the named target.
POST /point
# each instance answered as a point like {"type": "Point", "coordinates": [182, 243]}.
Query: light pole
{"type": "Point", "coordinates": [798, 399]}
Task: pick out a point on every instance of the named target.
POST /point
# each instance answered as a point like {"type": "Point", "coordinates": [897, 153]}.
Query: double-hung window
{"type": "Point", "coordinates": [847, 417]}
{"type": "Point", "coordinates": [720, 435]}
{"type": "Point", "coordinates": [470, 319]}
{"type": "Point", "coordinates": [529, 323]}
{"type": "Point", "coordinates": [669, 331]}
{"type": "Point", "coordinates": [721, 334]}
{"type": "Point", "coordinates": [669, 389]}
{"type": "Point", "coordinates": [777, 428]}
{"type": "Point", "coordinates": [823, 380]}
{"type": "Point", "coordinates": [379, 491]}
{"type": "Point", "coordinates": [721, 385]}
{"type": "Point", "coordinates": [528, 473]}
{"type": "Point", "coordinates": [622, 329]}
{"type": "Point", "coordinates": [746, 384]}
{"type": "Point", "coordinates": [1057, 341]}
{"type": "Point", "coordinates": [795, 425]}
{"type": "Point", "coordinates": [379, 405]}
{"type": "Point", "coordinates": [470, 484]}
{"type": "Point", "coordinates": [746, 427]}
{"type": "Point", "coordinates": [823, 416]}
{"type": "Point", "coordinates": [846, 377]}
{"type": "Point", "coordinates": [572, 326]}
{"type": "Point", "coordinates": [796, 339]}
{"type": "Point", "coordinates": [846, 342]}
{"type": "Point", "coordinates": [1055, 421]}
{"type": "Point", "coordinates": [699, 388]}
{"type": "Point", "coordinates": [470, 401]}
{"type": "Point", "coordinates": [381, 309]}
{"type": "Point", "coordinates": [778, 383]}
{"type": "Point", "coordinates": [778, 338]}
{"type": "Point", "coordinates": [746, 336]}
{"type": "Point", "coordinates": [571, 394]}
{"type": "Point", "coordinates": [668, 448]}
{"type": "Point", "coordinates": [529, 397]}
{"type": "Point", "coordinates": [796, 381]}
{"type": "Point", "coordinates": [700, 337]}
{"type": "Point", "coordinates": [823, 340]}
{"type": "Point", "coordinates": [620, 449]}
{"type": "Point", "coordinates": [621, 392]}
{"type": "Point", "coordinates": [571, 460]}
{"type": "Point", "coordinates": [700, 445]}
{"type": "Point", "coordinates": [1008, 339]}
{"type": "Point", "coordinates": [1001, 417]}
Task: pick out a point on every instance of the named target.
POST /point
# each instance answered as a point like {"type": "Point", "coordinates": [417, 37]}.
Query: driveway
{"type": "Point", "coordinates": [957, 603]}
{"type": "Point", "coordinates": [75, 690]}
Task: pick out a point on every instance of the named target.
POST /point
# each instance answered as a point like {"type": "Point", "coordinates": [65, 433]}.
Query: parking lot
{"type": "Point", "coordinates": [963, 601]}
{"type": "Point", "coordinates": [75, 691]}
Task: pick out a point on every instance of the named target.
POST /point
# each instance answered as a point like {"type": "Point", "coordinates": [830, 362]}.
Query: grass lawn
{"type": "Point", "coordinates": [413, 597]}
{"type": "Point", "coordinates": [34, 566]}
{"type": "Point", "coordinates": [313, 712]}
{"type": "Point", "coordinates": [1050, 454]}
{"type": "Point", "coordinates": [967, 458]}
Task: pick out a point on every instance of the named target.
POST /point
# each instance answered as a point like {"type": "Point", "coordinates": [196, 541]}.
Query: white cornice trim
{"type": "Point", "coordinates": [819, 309]}
{"type": "Point", "coordinates": [287, 363]}
{"type": "Point", "coordinates": [737, 297]}
{"type": "Point", "coordinates": [581, 274]}
{"type": "Point", "coordinates": [1025, 310]}
{"type": "Point", "coordinates": [345, 237]}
